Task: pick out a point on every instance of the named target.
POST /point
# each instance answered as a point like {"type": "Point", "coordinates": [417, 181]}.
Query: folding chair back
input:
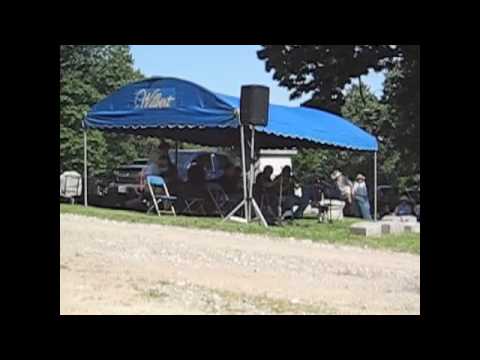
{"type": "Point", "coordinates": [219, 197]}
{"type": "Point", "coordinates": [158, 181]}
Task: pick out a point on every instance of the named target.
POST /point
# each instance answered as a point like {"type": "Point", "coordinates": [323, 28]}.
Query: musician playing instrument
{"type": "Point", "coordinates": [285, 184]}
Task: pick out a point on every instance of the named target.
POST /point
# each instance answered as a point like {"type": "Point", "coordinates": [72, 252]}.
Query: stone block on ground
{"type": "Point", "coordinates": [392, 227]}
{"type": "Point", "coordinates": [402, 219]}
{"type": "Point", "coordinates": [366, 229]}
{"type": "Point", "coordinates": [412, 228]}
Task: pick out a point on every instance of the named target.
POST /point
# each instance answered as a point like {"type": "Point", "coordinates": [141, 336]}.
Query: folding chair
{"type": "Point", "coordinates": [192, 203]}
{"type": "Point", "coordinates": [220, 198]}
{"type": "Point", "coordinates": [167, 199]}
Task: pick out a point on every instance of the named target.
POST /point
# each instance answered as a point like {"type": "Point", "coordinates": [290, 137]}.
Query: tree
{"type": "Point", "coordinates": [89, 73]}
{"type": "Point", "coordinates": [366, 111]}
{"type": "Point", "coordinates": [324, 71]}
{"type": "Point", "coordinates": [402, 93]}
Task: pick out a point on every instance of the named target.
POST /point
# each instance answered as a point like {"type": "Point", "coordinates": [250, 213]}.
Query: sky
{"type": "Point", "coordinates": [220, 68]}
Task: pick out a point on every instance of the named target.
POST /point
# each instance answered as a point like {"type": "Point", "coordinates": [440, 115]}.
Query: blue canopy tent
{"type": "Point", "coordinates": [181, 110]}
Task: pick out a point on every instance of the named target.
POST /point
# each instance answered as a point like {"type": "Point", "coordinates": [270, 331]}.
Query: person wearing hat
{"type": "Point", "coordinates": [405, 206]}
{"type": "Point", "coordinates": [344, 185]}
{"type": "Point", "coordinates": [360, 194]}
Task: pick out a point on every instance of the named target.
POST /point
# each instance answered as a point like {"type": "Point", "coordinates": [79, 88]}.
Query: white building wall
{"type": "Point", "coordinates": [277, 162]}
{"type": "Point", "coordinates": [278, 159]}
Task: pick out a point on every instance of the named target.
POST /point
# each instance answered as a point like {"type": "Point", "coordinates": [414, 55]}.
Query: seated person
{"type": "Point", "coordinates": [196, 178]}
{"type": "Point", "coordinates": [161, 165]}
{"type": "Point", "coordinates": [264, 190]}
{"type": "Point", "coordinates": [287, 183]}
{"type": "Point", "coordinates": [230, 181]}
{"type": "Point", "coordinates": [238, 174]}
{"type": "Point", "coordinates": [405, 207]}
{"type": "Point", "coordinates": [231, 185]}
{"type": "Point", "coordinates": [263, 182]}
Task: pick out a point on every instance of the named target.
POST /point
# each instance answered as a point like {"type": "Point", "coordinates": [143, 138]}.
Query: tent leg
{"type": "Point", "coordinates": [252, 171]}
{"type": "Point", "coordinates": [252, 203]}
{"type": "Point", "coordinates": [375, 186]}
{"type": "Point", "coordinates": [244, 202]}
{"type": "Point", "coordinates": [234, 211]}
{"type": "Point", "coordinates": [176, 155]}
{"type": "Point", "coordinates": [244, 170]}
{"type": "Point", "coordinates": [85, 165]}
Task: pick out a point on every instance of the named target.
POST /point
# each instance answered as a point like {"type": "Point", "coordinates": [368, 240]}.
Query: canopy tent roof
{"type": "Point", "coordinates": [184, 111]}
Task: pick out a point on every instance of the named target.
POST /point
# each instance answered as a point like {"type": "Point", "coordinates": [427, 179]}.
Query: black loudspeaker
{"type": "Point", "coordinates": [254, 105]}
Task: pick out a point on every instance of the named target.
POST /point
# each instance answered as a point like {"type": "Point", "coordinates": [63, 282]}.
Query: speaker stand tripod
{"type": "Point", "coordinates": [248, 201]}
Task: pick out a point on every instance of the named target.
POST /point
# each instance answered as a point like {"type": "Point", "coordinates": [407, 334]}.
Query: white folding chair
{"type": "Point", "coordinates": [167, 199]}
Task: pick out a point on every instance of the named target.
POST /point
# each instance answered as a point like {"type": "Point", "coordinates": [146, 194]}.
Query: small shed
{"type": "Point", "coordinates": [276, 158]}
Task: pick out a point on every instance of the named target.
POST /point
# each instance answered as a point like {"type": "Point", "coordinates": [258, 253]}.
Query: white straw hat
{"type": "Point", "coordinates": [335, 174]}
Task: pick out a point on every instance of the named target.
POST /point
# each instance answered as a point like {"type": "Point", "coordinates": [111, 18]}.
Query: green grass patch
{"type": "Point", "coordinates": [335, 233]}
{"type": "Point", "coordinates": [233, 302]}
{"type": "Point", "coordinates": [155, 294]}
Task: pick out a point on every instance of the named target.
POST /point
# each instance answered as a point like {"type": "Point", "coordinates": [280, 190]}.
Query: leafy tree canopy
{"type": "Point", "coordinates": [324, 71]}
{"type": "Point", "coordinates": [364, 109]}
{"type": "Point", "coordinates": [89, 73]}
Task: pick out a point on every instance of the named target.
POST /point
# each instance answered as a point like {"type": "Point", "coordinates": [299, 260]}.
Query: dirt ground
{"type": "Point", "coordinates": [109, 267]}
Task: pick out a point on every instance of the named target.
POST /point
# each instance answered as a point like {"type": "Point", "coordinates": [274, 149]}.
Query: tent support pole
{"type": "Point", "coordinates": [252, 171]}
{"type": "Point", "coordinates": [248, 199]}
{"type": "Point", "coordinates": [375, 186]}
{"type": "Point", "coordinates": [176, 155]}
{"type": "Point", "coordinates": [252, 201]}
{"type": "Point", "coordinates": [85, 165]}
{"type": "Point", "coordinates": [243, 203]}
{"type": "Point", "coordinates": [244, 170]}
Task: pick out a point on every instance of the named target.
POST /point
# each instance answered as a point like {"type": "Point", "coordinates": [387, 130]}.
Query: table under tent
{"type": "Point", "coordinates": [183, 111]}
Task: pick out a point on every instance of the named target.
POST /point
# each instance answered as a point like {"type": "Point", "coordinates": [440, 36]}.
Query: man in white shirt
{"type": "Point", "coordinates": [158, 163]}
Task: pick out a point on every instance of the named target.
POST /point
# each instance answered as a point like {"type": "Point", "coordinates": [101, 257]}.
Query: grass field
{"type": "Point", "coordinates": [309, 228]}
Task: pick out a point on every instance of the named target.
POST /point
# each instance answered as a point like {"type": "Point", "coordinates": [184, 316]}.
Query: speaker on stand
{"type": "Point", "coordinates": [254, 103]}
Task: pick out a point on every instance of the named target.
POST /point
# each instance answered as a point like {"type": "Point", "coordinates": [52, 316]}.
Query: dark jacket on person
{"type": "Point", "coordinates": [264, 184]}
{"type": "Point", "coordinates": [229, 184]}
{"type": "Point", "coordinates": [287, 185]}
{"type": "Point", "coordinates": [196, 184]}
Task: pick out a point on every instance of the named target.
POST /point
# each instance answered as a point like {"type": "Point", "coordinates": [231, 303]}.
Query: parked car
{"type": "Point", "coordinates": [130, 176]}
{"type": "Point", "coordinates": [214, 163]}
{"type": "Point", "coordinates": [128, 180]}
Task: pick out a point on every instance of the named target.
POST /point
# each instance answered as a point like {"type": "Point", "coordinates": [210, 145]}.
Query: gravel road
{"type": "Point", "coordinates": [109, 267]}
